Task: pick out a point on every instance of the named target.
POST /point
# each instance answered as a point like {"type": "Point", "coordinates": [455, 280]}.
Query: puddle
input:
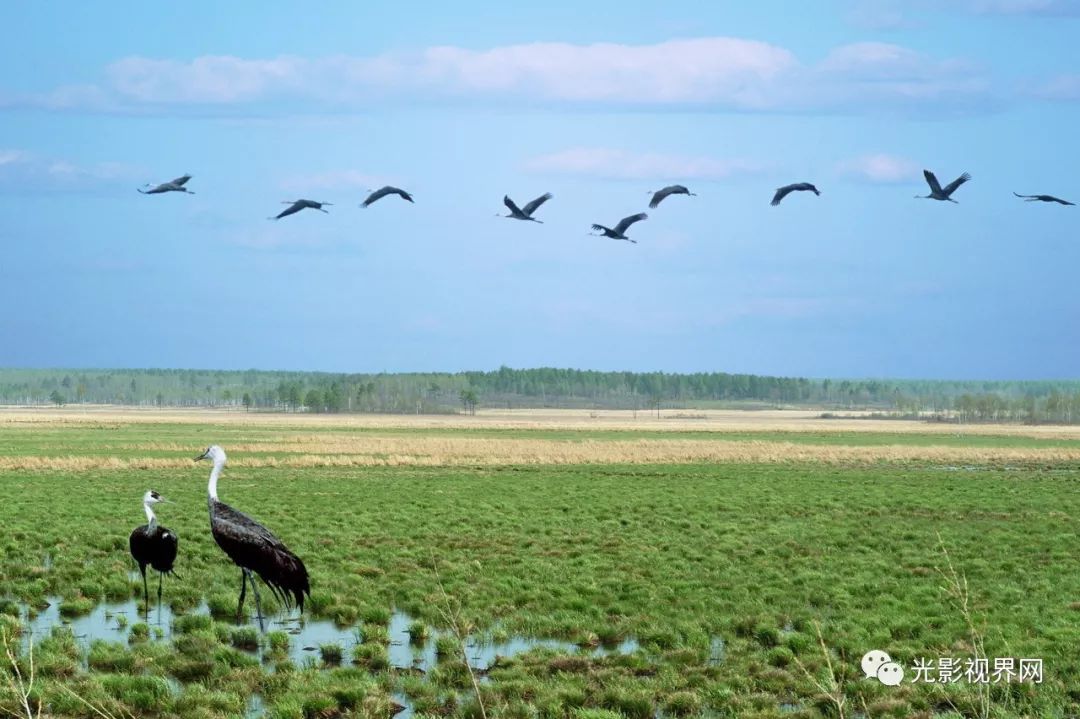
{"type": "Point", "coordinates": [112, 621]}
{"type": "Point", "coordinates": [255, 708]}
{"type": "Point", "coordinates": [717, 648]}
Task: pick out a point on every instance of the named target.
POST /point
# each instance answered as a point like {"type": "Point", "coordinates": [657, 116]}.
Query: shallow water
{"type": "Point", "coordinates": [112, 621]}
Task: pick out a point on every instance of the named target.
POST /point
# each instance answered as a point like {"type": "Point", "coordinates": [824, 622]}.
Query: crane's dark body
{"type": "Point", "coordinates": [943, 194]}
{"type": "Point", "coordinates": [619, 231]}
{"type": "Point", "coordinates": [383, 192]}
{"type": "Point", "coordinates": [157, 547]}
{"type": "Point", "coordinates": [301, 205]}
{"type": "Point", "coordinates": [176, 185]}
{"type": "Point", "coordinates": [526, 212]}
{"type": "Point", "coordinates": [782, 192]}
{"type": "Point", "coordinates": [1044, 198]}
{"type": "Point", "coordinates": [253, 548]}
{"type": "Point", "coordinates": [659, 195]}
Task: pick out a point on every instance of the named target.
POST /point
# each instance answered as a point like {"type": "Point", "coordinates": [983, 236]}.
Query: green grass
{"type": "Point", "coordinates": [675, 556]}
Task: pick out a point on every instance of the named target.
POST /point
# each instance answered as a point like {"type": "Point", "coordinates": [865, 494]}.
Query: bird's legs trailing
{"type": "Point", "coordinates": [243, 593]}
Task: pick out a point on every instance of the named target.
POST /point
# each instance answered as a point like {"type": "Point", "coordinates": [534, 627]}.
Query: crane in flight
{"type": "Point", "coordinates": [297, 205]}
{"type": "Point", "coordinates": [619, 231]}
{"type": "Point", "coordinates": [782, 192]}
{"type": "Point", "coordinates": [176, 185]}
{"type": "Point", "coordinates": [937, 192]}
{"type": "Point", "coordinates": [526, 212]}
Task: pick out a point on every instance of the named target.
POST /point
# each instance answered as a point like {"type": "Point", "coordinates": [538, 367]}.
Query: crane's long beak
{"type": "Point", "coordinates": [201, 456]}
{"type": "Point", "coordinates": [166, 501]}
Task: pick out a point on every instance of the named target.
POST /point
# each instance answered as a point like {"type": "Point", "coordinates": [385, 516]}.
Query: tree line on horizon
{"type": "Point", "coordinates": [545, 387]}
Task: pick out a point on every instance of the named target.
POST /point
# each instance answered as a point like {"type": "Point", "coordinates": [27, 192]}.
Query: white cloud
{"type": "Point", "coordinates": [615, 164]}
{"type": "Point", "coordinates": [8, 157]}
{"type": "Point", "coordinates": [711, 72]}
{"type": "Point", "coordinates": [20, 169]}
{"type": "Point", "coordinates": [880, 168]}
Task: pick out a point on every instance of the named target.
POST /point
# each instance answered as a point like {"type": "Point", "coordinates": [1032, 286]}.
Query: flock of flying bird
{"type": "Point", "coordinates": [250, 546]}
{"type": "Point", "coordinates": [618, 232]}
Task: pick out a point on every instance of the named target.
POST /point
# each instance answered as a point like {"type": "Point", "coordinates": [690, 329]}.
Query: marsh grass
{"type": "Point", "coordinates": [721, 571]}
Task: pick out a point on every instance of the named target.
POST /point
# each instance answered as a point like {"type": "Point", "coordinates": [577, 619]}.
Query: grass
{"type": "Point", "coordinates": [799, 566]}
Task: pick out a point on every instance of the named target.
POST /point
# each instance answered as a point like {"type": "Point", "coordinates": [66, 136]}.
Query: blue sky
{"type": "Point", "coordinates": [596, 102]}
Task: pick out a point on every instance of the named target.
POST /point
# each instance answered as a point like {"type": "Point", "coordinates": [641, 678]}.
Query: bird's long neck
{"type": "Point", "coordinates": [151, 520]}
{"type": "Point", "coordinates": [214, 474]}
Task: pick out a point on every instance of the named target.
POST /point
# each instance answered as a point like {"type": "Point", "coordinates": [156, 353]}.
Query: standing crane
{"type": "Point", "coordinates": [619, 231]}
{"type": "Point", "coordinates": [176, 185]}
{"type": "Point", "coordinates": [936, 190]}
{"type": "Point", "coordinates": [383, 192]}
{"type": "Point", "coordinates": [253, 548]}
{"type": "Point", "coordinates": [1044, 198]}
{"type": "Point", "coordinates": [153, 544]}
{"type": "Point", "coordinates": [297, 205]}
{"type": "Point", "coordinates": [782, 192]}
{"type": "Point", "coordinates": [526, 212]}
{"type": "Point", "coordinates": [659, 195]}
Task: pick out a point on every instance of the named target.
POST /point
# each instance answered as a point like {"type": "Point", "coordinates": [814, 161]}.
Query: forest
{"type": "Point", "coordinates": [544, 387]}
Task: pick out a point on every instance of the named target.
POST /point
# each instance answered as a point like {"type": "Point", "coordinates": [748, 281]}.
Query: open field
{"type": "Point", "coordinates": [720, 548]}
{"type": "Point", "coordinates": [671, 420]}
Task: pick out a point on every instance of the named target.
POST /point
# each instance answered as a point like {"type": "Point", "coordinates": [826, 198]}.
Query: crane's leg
{"type": "Point", "coordinates": [243, 593]}
{"type": "Point", "coordinates": [258, 602]}
{"type": "Point", "coordinates": [146, 591]}
{"type": "Point", "coordinates": [159, 578]}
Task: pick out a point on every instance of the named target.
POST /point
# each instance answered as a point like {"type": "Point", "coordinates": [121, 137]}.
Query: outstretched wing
{"type": "Point", "coordinates": [627, 221]}
{"type": "Point", "coordinates": [531, 207]}
{"type": "Point", "coordinates": [404, 195]}
{"type": "Point", "coordinates": [951, 187]}
{"type": "Point", "coordinates": [935, 186]}
{"type": "Point", "coordinates": [510, 205]}
{"type": "Point", "coordinates": [659, 196]}
{"type": "Point", "coordinates": [377, 195]}
{"type": "Point", "coordinates": [1061, 201]}
{"type": "Point", "coordinates": [180, 180]}
{"type": "Point", "coordinates": [1026, 197]}
{"type": "Point", "coordinates": [290, 210]}
{"type": "Point", "coordinates": [252, 546]}
{"type": "Point", "coordinates": [781, 193]}
{"type": "Point", "coordinates": [601, 228]}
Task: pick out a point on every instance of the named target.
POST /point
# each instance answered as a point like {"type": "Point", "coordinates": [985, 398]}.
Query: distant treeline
{"type": "Point", "coordinates": [530, 388]}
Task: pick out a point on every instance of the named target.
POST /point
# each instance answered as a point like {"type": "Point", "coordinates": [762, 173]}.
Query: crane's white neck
{"type": "Point", "coordinates": [214, 474]}
{"type": "Point", "coordinates": [151, 520]}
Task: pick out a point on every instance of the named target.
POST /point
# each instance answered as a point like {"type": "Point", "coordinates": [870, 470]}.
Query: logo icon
{"type": "Point", "coordinates": [877, 664]}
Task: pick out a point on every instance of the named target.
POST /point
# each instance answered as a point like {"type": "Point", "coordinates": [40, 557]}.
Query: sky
{"type": "Point", "coordinates": [595, 102]}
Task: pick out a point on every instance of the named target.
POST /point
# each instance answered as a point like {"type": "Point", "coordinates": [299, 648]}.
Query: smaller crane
{"type": "Point", "coordinates": [153, 544]}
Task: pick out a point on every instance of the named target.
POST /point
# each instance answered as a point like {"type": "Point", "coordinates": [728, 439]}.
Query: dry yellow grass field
{"type": "Point", "coordinates": [779, 420]}
{"type": "Point", "coordinates": [561, 437]}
